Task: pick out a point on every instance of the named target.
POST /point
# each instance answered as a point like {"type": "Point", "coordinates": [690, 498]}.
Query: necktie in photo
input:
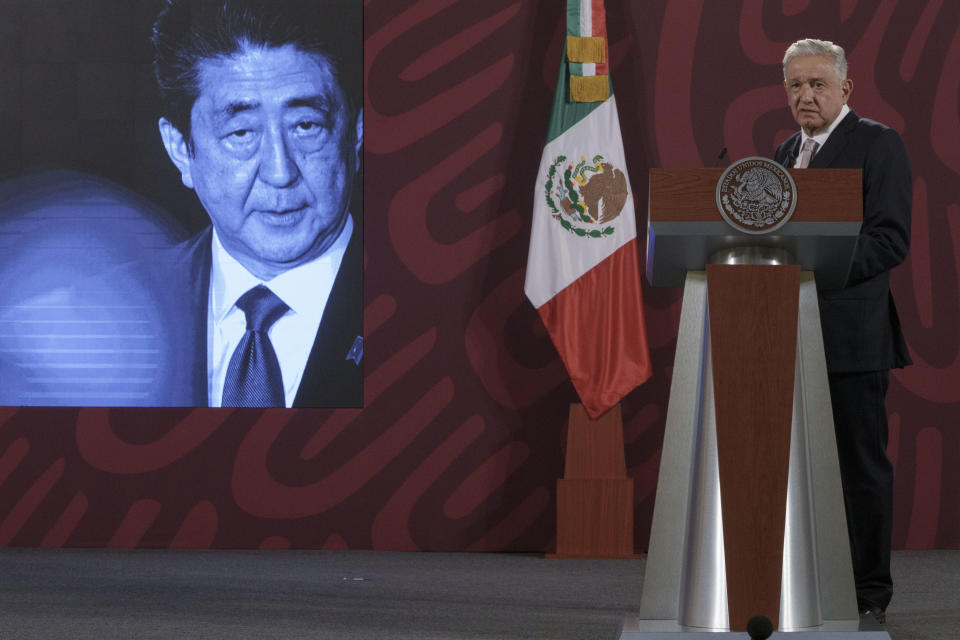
{"type": "Point", "coordinates": [253, 374]}
{"type": "Point", "coordinates": [806, 153]}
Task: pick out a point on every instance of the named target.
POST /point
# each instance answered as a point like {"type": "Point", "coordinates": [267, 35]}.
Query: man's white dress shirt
{"type": "Point", "coordinates": [304, 288]}
{"type": "Point", "coordinates": [821, 138]}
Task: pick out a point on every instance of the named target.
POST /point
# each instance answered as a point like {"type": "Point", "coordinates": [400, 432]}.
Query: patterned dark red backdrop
{"type": "Point", "coordinates": [461, 440]}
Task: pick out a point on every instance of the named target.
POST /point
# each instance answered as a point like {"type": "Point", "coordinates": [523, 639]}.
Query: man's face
{"type": "Point", "coordinates": [274, 155]}
{"type": "Point", "coordinates": [815, 92]}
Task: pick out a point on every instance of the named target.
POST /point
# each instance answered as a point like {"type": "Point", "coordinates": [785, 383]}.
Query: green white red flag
{"type": "Point", "coordinates": [583, 274]}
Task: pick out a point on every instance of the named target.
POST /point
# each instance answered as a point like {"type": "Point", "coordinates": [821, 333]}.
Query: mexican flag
{"type": "Point", "coordinates": [583, 275]}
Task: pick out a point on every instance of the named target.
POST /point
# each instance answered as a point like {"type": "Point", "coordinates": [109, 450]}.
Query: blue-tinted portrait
{"type": "Point", "coordinates": [181, 212]}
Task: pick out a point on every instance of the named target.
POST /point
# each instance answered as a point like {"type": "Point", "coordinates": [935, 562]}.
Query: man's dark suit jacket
{"type": "Point", "coordinates": [330, 379]}
{"type": "Point", "coordinates": [861, 328]}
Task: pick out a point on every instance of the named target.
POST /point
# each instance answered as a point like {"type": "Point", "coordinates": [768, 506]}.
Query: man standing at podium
{"type": "Point", "coordinates": [861, 329]}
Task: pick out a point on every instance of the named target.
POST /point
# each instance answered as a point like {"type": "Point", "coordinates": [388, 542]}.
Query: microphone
{"type": "Point", "coordinates": [759, 628]}
{"type": "Point", "coordinates": [720, 156]}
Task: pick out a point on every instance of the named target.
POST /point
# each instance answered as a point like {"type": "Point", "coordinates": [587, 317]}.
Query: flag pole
{"type": "Point", "coordinates": [583, 277]}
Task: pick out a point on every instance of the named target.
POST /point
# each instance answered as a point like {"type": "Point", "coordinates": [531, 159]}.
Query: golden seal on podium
{"type": "Point", "coordinates": [756, 195]}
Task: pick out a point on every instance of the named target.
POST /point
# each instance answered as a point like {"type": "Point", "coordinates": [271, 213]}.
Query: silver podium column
{"type": "Point", "coordinates": [684, 582]}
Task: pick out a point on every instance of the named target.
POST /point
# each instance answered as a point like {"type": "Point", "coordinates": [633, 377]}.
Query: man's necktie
{"type": "Point", "coordinates": [253, 375]}
{"type": "Point", "coordinates": [806, 153]}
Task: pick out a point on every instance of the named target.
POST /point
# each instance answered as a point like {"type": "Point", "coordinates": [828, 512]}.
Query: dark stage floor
{"type": "Point", "coordinates": [54, 594]}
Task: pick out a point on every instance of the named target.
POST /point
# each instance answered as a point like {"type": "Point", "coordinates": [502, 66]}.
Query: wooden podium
{"type": "Point", "coordinates": [749, 516]}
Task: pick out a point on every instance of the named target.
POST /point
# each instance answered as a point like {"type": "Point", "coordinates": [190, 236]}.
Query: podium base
{"type": "Point", "coordinates": [634, 628]}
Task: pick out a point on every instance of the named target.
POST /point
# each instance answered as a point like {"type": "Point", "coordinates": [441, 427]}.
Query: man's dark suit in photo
{"type": "Point", "coordinates": [333, 376]}
{"type": "Point", "coordinates": [861, 329]}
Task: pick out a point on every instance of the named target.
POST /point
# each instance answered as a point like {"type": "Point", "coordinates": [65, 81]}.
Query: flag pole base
{"type": "Point", "coordinates": [595, 496]}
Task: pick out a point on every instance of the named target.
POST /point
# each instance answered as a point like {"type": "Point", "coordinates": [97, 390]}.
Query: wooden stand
{"type": "Point", "coordinates": [595, 496]}
{"type": "Point", "coordinates": [754, 361]}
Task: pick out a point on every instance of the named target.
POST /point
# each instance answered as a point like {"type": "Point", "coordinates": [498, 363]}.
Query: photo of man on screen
{"type": "Point", "coordinates": [120, 288]}
{"type": "Point", "coordinates": [262, 117]}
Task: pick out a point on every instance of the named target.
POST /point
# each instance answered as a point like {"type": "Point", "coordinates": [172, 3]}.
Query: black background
{"type": "Point", "coordinates": [77, 92]}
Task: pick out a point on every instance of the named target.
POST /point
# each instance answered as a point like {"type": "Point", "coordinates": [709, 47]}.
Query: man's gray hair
{"type": "Point", "coordinates": [814, 47]}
